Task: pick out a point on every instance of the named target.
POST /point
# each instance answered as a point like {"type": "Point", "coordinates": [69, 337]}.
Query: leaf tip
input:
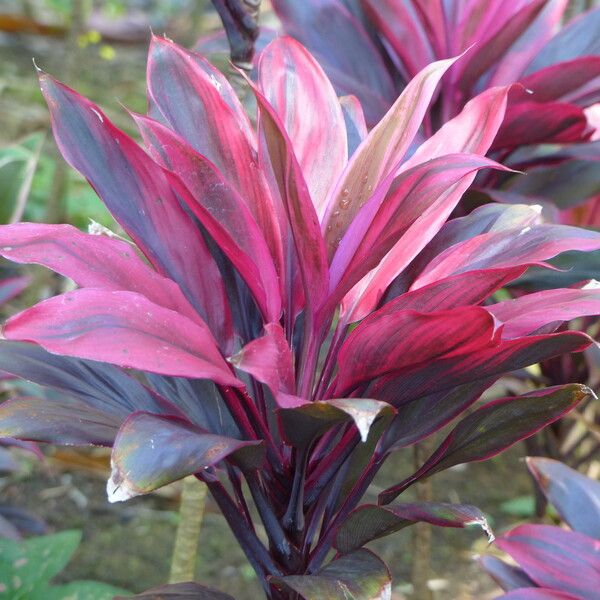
{"type": "Point", "coordinates": [117, 489]}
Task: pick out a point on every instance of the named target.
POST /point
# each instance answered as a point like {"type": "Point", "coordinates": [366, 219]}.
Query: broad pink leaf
{"type": "Point", "coordinates": [90, 261]}
{"type": "Point", "coordinates": [122, 328]}
{"type": "Point", "coordinates": [528, 313]}
{"type": "Point", "coordinates": [118, 168]}
{"type": "Point", "coordinates": [563, 560]}
{"type": "Point", "coordinates": [198, 103]}
{"type": "Point", "coordinates": [301, 214]}
{"type": "Point", "coordinates": [381, 152]}
{"type": "Point", "coordinates": [395, 342]}
{"type": "Point", "coordinates": [495, 427]}
{"type": "Point", "coordinates": [221, 210]}
{"type": "Point", "coordinates": [431, 187]}
{"type": "Point", "coordinates": [472, 131]}
{"type": "Point", "coordinates": [307, 105]}
{"type": "Point", "coordinates": [532, 245]}
{"type": "Point", "coordinates": [269, 359]}
{"type": "Point", "coordinates": [151, 451]}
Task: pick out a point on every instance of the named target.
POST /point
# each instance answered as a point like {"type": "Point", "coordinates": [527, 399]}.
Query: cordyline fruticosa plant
{"type": "Point", "coordinates": [371, 48]}
{"type": "Point", "coordinates": [554, 563]}
{"type": "Point", "coordinates": [252, 305]}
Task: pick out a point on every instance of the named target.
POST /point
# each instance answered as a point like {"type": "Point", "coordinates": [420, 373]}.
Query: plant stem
{"type": "Point", "coordinates": [191, 512]}
{"type": "Point", "coordinates": [421, 565]}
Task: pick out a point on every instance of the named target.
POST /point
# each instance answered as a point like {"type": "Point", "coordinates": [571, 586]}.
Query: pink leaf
{"type": "Point", "coordinates": [307, 105]}
{"type": "Point", "coordinates": [122, 328]}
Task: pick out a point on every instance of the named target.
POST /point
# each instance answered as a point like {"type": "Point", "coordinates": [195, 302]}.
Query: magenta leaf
{"type": "Point", "coordinates": [210, 198]}
{"type": "Point", "coordinates": [527, 314]}
{"type": "Point", "coordinates": [122, 328]}
{"type": "Point", "coordinates": [398, 22]}
{"type": "Point", "coordinates": [380, 344]}
{"type": "Point", "coordinates": [90, 261]}
{"type": "Point", "coordinates": [529, 122]}
{"type": "Point", "coordinates": [117, 167]}
{"type": "Point", "coordinates": [151, 451]}
{"type": "Point", "coordinates": [361, 575]}
{"type": "Point", "coordinates": [492, 46]}
{"type": "Point", "coordinates": [380, 153]}
{"type": "Point", "coordinates": [185, 88]}
{"type": "Point", "coordinates": [561, 560]}
{"type": "Point", "coordinates": [493, 428]}
{"type": "Point", "coordinates": [269, 359]}
{"type": "Point", "coordinates": [307, 105]}
{"type": "Point", "coordinates": [446, 373]}
{"type": "Point", "coordinates": [567, 81]}
{"type": "Point", "coordinates": [300, 211]}
{"type": "Point", "coordinates": [433, 187]}
{"type": "Point", "coordinates": [531, 245]}
{"type": "Point", "coordinates": [371, 522]}
{"type": "Point", "coordinates": [575, 496]}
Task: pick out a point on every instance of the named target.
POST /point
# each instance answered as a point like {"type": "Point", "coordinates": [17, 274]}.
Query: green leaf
{"type": "Point", "coordinates": [78, 590]}
{"type": "Point", "coordinates": [358, 576]}
{"type": "Point", "coordinates": [28, 565]}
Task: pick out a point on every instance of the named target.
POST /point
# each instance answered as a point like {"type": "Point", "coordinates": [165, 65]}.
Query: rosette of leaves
{"type": "Point", "coordinates": [246, 334]}
{"type": "Point", "coordinates": [554, 563]}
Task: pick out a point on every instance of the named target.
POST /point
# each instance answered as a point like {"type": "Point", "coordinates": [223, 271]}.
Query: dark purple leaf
{"type": "Point", "coordinates": [493, 428]}
{"type": "Point", "coordinates": [179, 591]}
{"type": "Point", "coordinates": [54, 422]}
{"type": "Point", "coordinates": [371, 522]}
{"type": "Point", "coordinates": [361, 575]}
{"type": "Point", "coordinates": [151, 451]}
